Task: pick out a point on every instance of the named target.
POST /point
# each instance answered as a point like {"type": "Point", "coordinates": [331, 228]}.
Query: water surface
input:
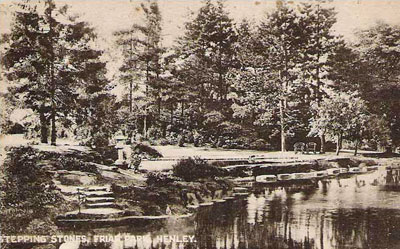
{"type": "Point", "coordinates": [359, 211]}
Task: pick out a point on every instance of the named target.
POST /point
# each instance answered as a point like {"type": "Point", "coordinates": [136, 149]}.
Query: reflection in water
{"type": "Point", "coordinates": [359, 211]}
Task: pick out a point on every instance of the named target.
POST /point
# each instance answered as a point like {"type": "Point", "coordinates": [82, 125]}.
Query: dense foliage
{"type": "Point", "coordinates": [253, 85]}
{"type": "Point", "coordinates": [27, 191]}
{"type": "Point", "coordinates": [193, 169]}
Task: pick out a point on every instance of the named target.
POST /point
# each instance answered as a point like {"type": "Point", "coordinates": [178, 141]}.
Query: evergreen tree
{"type": "Point", "coordinates": [142, 63]}
{"type": "Point", "coordinates": [255, 97]}
{"type": "Point", "coordinates": [48, 57]}
{"type": "Point", "coordinates": [379, 49]}
{"type": "Point", "coordinates": [316, 22]}
{"type": "Point", "coordinates": [281, 39]}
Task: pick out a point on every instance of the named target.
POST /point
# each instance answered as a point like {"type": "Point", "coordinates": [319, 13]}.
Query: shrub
{"type": "Point", "coordinates": [158, 179]}
{"type": "Point", "coordinates": [259, 144]}
{"type": "Point", "coordinates": [146, 150]}
{"type": "Point", "coordinates": [66, 162]}
{"type": "Point", "coordinates": [164, 142]}
{"type": "Point", "coordinates": [154, 133]}
{"type": "Point", "coordinates": [27, 191]}
{"type": "Point", "coordinates": [181, 141]}
{"type": "Point", "coordinates": [198, 140]}
{"type": "Point", "coordinates": [188, 135]}
{"type": "Point", "coordinates": [192, 169]}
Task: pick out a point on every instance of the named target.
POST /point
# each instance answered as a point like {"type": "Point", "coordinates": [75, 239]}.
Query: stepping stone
{"type": "Point", "coordinates": [205, 204]}
{"type": "Point", "coordinates": [99, 199]}
{"type": "Point", "coordinates": [240, 189]}
{"type": "Point", "coordinates": [219, 201]}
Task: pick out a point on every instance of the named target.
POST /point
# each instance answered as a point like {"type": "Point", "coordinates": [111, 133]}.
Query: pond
{"type": "Point", "coordinates": [358, 211]}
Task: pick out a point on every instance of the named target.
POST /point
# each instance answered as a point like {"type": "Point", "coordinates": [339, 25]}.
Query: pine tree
{"type": "Point", "coordinates": [255, 97]}
{"type": "Point", "coordinates": [316, 21]}
{"type": "Point", "coordinates": [142, 66]}
{"type": "Point", "coordinates": [281, 39]}
{"type": "Point", "coordinates": [206, 54]}
{"type": "Point", "coordinates": [48, 57]}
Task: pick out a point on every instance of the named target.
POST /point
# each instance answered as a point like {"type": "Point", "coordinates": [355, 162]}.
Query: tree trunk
{"type": "Point", "coordinates": [283, 131]}
{"type": "Point", "coordinates": [53, 128]}
{"type": "Point", "coordinates": [356, 148]}
{"type": "Point", "coordinates": [172, 115]}
{"type": "Point", "coordinates": [322, 149]}
{"type": "Point", "coordinates": [338, 144]}
{"type": "Point", "coordinates": [145, 127]}
{"type": "Point", "coordinates": [43, 128]}
{"type": "Point", "coordinates": [130, 96]}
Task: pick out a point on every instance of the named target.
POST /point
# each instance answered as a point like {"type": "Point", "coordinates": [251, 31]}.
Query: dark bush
{"type": "Point", "coordinates": [16, 128]}
{"type": "Point", "coordinates": [192, 169]}
{"type": "Point", "coordinates": [65, 162]}
{"type": "Point", "coordinates": [158, 179]}
{"type": "Point", "coordinates": [27, 190]}
{"type": "Point", "coordinates": [198, 140]}
{"type": "Point", "coordinates": [259, 144]}
{"type": "Point", "coordinates": [181, 141]}
{"type": "Point", "coordinates": [147, 150]}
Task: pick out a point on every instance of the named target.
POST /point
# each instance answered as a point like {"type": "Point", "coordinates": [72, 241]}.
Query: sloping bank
{"type": "Point", "coordinates": [191, 182]}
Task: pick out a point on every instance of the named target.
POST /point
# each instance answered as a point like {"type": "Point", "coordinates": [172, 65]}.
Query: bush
{"type": "Point", "coordinates": [158, 179]}
{"type": "Point", "coordinates": [146, 150]}
{"type": "Point", "coordinates": [193, 169]}
{"type": "Point", "coordinates": [181, 141]}
{"type": "Point", "coordinates": [154, 133]}
{"type": "Point", "coordinates": [188, 135]}
{"type": "Point", "coordinates": [259, 144]}
{"type": "Point", "coordinates": [198, 140]}
{"type": "Point", "coordinates": [164, 142]}
{"type": "Point", "coordinates": [27, 190]}
{"type": "Point", "coordinates": [65, 162]}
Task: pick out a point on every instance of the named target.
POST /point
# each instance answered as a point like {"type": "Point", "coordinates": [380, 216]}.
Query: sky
{"type": "Point", "coordinates": [108, 16]}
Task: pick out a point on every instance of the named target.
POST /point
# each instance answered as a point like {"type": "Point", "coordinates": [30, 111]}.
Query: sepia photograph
{"type": "Point", "coordinates": [199, 124]}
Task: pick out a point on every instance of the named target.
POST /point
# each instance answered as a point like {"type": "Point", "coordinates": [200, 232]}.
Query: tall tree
{"type": "Point", "coordinates": [143, 55]}
{"type": "Point", "coordinates": [379, 49]}
{"type": "Point", "coordinates": [282, 37]}
{"type": "Point", "coordinates": [46, 58]}
{"type": "Point", "coordinates": [207, 52]}
{"type": "Point", "coordinates": [255, 97]}
{"type": "Point", "coordinates": [316, 21]}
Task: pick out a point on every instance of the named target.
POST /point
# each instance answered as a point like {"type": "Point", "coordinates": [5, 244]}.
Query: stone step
{"type": "Point", "coordinates": [93, 189]}
{"type": "Point", "coordinates": [99, 199]}
{"type": "Point", "coordinates": [101, 205]}
{"type": "Point", "coordinates": [98, 194]}
{"type": "Point", "coordinates": [95, 213]}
